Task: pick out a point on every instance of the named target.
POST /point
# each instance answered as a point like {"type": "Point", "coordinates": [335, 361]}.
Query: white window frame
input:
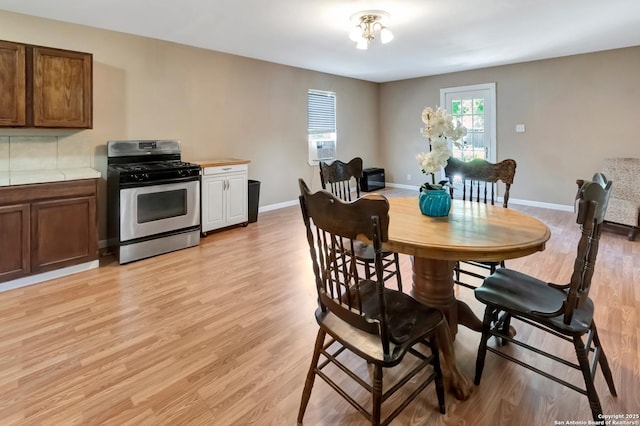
{"type": "Point", "coordinates": [491, 87]}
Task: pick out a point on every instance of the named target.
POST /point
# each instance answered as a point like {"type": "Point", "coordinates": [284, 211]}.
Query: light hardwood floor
{"type": "Point", "coordinates": [222, 334]}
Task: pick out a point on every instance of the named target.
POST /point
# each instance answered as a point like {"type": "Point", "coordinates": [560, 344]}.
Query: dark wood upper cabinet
{"type": "Point", "coordinates": [62, 88]}
{"type": "Point", "coordinates": [13, 86]}
{"type": "Point", "coordinates": [51, 87]}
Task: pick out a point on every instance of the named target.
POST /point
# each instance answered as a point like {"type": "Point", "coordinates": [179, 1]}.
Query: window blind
{"type": "Point", "coordinates": [321, 112]}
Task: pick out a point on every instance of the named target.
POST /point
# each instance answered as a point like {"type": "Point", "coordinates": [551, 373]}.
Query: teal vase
{"type": "Point", "coordinates": [435, 202]}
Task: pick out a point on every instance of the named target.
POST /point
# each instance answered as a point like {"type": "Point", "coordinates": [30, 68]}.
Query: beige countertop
{"type": "Point", "coordinates": [220, 162]}
{"type": "Point", "coordinates": [24, 177]}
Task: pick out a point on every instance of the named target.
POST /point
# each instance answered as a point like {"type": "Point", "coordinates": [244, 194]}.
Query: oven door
{"type": "Point", "coordinates": [157, 209]}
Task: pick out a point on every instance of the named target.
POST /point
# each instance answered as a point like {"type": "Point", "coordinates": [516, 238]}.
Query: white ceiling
{"type": "Point", "coordinates": [431, 36]}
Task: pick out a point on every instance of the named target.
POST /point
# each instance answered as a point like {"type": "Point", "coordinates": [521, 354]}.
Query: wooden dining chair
{"type": "Point", "coordinates": [565, 311]}
{"type": "Point", "coordinates": [476, 180]}
{"type": "Point", "coordinates": [343, 180]}
{"type": "Point", "coordinates": [361, 318]}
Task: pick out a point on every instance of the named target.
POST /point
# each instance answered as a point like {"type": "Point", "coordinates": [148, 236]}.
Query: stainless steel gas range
{"type": "Point", "coordinates": [153, 199]}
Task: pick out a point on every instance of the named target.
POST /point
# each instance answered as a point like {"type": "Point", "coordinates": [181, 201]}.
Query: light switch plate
{"type": "Point", "coordinates": [519, 128]}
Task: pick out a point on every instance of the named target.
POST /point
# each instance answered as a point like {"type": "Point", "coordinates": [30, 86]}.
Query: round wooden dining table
{"type": "Point", "coordinates": [471, 231]}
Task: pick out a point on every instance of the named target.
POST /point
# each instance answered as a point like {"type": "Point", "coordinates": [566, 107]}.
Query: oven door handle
{"type": "Point", "coordinates": [159, 182]}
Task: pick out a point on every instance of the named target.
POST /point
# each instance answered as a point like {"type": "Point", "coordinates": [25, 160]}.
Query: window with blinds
{"type": "Point", "coordinates": [321, 124]}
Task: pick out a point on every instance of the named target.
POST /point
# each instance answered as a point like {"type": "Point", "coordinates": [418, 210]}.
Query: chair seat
{"type": "Point", "coordinates": [529, 297]}
{"type": "Point", "coordinates": [409, 321]}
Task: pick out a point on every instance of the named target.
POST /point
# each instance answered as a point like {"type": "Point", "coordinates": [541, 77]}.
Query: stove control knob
{"type": "Point", "coordinates": [144, 176]}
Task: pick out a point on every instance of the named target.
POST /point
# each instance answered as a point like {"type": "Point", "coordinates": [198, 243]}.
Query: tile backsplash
{"type": "Point", "coordinates": [24, 153]}
{"type": "Point", "coordinates": [4, 153]}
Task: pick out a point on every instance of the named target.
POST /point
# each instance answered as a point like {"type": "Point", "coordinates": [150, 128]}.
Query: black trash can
{"type": "Point", "coordinates": [254, 198]}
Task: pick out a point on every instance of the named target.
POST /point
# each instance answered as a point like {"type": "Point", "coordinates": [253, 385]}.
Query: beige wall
{"type": "Point", "coordinates": [577, 111]}
{"type": "Point", "coordinates": [217, 104]}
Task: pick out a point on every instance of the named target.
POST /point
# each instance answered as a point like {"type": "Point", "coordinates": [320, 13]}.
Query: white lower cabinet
{"type": "Point", "coordinates": [224, 196]}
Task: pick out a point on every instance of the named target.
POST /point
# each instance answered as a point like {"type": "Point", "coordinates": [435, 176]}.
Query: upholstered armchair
{"type": "Point", "coordinates": [624, 205]}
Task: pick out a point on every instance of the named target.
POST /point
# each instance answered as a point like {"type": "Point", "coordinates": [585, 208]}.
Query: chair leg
{"type": "Point", "coordinates": [482, 348]}
{"type": "Point", "coordinates": [592, 394]}
{"type": "Point", "coordinates": [505, 328]}
{"type": "Point", "coordinates": [311, 375]}
{"type": "Point", "coordinates": [377, 395]}
{"type": "Point", "coordinates": [602, 360]}
{"type": "Point", "coordinates": [367, 269]}
{"type": "Point", "coordinates": [396, 259]}
{"type": "Point", "coordinates": [433, 344]}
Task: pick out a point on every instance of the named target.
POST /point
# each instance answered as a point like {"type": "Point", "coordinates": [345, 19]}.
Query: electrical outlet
{"type": "Point", "coordinates": [519, 128]}
{"type": "Point", "coordinates": [408, 177]}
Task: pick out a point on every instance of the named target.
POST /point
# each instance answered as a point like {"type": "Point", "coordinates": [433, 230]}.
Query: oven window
{"type": "Point", "coordinates": [162, 205]}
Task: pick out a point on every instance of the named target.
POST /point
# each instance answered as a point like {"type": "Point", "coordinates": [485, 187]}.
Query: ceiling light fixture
{"type": "Point", "coordinates": [367, 23]}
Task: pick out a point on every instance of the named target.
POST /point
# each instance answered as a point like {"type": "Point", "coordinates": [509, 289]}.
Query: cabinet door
{"type": "Point", "coordinates": [213, 203]}
{"type": "Point", "coordinates": [12, 84]}
{"type": "Point", "coordinates": [62, 88]}
{"type": "Point", "coordinates": [14, 242]}
{"type": "Point", "coordinates": [236, 198]}
{"type": "Point", "coordinates": [63, 233]}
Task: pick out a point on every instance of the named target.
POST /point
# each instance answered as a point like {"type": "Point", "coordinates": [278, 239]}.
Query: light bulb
{"type": "Point", "coordinates": [356, 33]}
{"type": "Point", "coordinates": [363, 44]}
{"type": "Point", "coordinates": [386, 35]}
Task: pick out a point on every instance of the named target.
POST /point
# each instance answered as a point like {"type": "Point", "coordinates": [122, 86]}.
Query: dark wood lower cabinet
{"type": "Point", "coordinates": [47, 226]}
{"type": "Point", "coordinates": [14, 242]}
{"type": "Point", "coordinates": [62, 233]}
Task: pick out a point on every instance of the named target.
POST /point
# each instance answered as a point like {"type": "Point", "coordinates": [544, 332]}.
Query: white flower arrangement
{"type": "Point", "coordinates": [439, 129]}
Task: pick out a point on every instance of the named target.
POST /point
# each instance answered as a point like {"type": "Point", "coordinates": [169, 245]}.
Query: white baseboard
{"type": "Point", "coordinates": [35, 279]}
{"type": "Point", "coordinates": [550, 206]}
{"type": "Point", "coordinates": [402, 186]}
{"type": "Point", "coordinates": [279, 206]}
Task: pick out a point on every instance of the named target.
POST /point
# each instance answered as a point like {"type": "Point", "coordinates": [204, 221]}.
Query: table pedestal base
{"type": "Point", "coordinates": [433, 286]}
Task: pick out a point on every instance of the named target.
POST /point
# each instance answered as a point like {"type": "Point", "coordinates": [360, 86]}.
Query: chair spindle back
{"type": "Point", "coordinates": [332, 227]}
{"type": "Point", "coordinates": [481, 176]}
{"type": "Point", "coordinates": [593, 198]}
{"type": "Point", "coordinates": [338, 177]}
